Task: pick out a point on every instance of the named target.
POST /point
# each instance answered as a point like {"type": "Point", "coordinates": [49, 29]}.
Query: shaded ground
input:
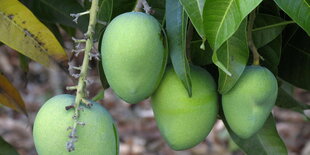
{"type": "Point", "coordinates": [138, 132]}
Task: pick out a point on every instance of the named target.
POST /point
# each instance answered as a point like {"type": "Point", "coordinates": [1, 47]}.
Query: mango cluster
{"type": "Point", "coordinates": [134, 56]}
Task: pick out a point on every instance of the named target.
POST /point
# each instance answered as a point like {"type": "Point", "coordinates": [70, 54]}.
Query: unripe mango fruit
{"type": "Point", "coordinates": [50, 132]}
{"type": "Point", "coordinates": [248, 104]}
{"type": "Point", "coordinates": [185, 121]}
{"type": "Point", "coordinates": [133, 55]}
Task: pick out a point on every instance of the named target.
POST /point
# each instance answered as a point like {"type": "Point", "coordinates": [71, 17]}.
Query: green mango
{"type": "Point", "coordinates": [133, 55]}
{"type": "Point", "coordinates": [185, 121]}
{"type": "Point", "coordinates": [248, 104]}
{"type": "Point", "coordinates": [50, 131]}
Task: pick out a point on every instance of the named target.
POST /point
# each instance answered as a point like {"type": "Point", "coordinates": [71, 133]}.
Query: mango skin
{"type": "Point", "coordinates": [133, 55]}
{"type": "Point", "coordinates": [185, 121]}
{"type": "Point", "coordinates": [248, 104]}
{"type": "Point", "coordinates": [97, 137]}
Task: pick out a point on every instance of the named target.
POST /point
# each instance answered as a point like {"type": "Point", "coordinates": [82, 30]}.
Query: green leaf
{"type": "Point", "coordinates": [265, 142]}
{"type": "Point", "coordinates": [103, 79]}
{"type": "Point", "coordinates": [198, 56]}
{"type": "Point", "coordinates": [23, 32]}
{"type": "Point", "coordinates": [58, 11]}
{"type": "Point", "coordinates": [104, 15]}
{"type": "Point", "coordinates": [194, 10]}
{"type": "Point", "coordinates": [221, 18]}
{"type": "Point", "coordinates": [294, 65]}
{"type": "Point", "coordinates": [285, 100]}
{"type": "Point", "coordinates": [6, 148]}
{"type": "Point", "coordinates": [233, 55]}
{"type": "Point", "coordinates": [266, 29]}
{"type": "Point", "coordinates": [176, 25]}
{"type": "Point", "coordinates": [271, 54]}
{"type": "Point", "coordinates": [99, 96]}
{"type": "Point", "coordinates": [298, 10]}
{"type": "Point", "coordinates": [55, 30]}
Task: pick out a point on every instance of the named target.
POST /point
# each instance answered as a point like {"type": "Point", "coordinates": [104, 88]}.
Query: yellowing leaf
{"type": "Point", "coordinates": [9, 95]}
{"type": "Point", "coordinates": [22, 31]}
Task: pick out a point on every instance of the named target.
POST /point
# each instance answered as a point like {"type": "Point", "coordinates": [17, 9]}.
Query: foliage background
{"type": "Point", "coordinates": [138, 131]}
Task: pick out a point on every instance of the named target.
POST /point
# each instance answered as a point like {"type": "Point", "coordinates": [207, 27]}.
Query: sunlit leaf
{"type": "Point", "coordinates": [22, 31]}
{"type": "Point", "coordinates": [221, 18]}
{"type": "Point", "coordinates": [194, 10]}
{"type": "Point", "coordinates": [233, 55]}
{"type": "Point", "coordinates": [298, 10]}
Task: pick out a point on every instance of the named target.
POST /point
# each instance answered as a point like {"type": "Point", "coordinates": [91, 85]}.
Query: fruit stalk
{"type": "Point", "coordinates": [251, 44]}
{"type": "Point", "coordinates": [144, 4]}
{"type": "Point", "coordinates": [80, 93]}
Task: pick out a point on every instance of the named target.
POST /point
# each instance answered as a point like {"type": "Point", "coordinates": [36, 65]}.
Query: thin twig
{"type": "Point", "coordinates": [145, 5]}
{"type": "Point", "coordinates": [251, 44]}
{"type": "Point", "coordinates": [80, 93]}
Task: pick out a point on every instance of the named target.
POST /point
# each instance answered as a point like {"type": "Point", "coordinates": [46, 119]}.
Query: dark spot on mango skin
{"type": "Point", "coordinates": [24, 22]}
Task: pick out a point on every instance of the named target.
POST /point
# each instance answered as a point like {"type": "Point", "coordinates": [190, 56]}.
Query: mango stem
{"type": "Point", "coordinates": [80, 88]}
{"type": "Point", "coordinates": [251, 44]}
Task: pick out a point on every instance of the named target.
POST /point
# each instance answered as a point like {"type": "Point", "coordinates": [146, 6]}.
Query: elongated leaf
{"type": "Point", "coordinates": [266, 29]}
{"type": "Point", "coordinates": [285, 100]}
{"type": "Point", "coordinates": [22, 31]}
{"type": "Point", "coordinates": [194, 10]}
{"type": "Point", "coordinates": [9, 95]}
{"type": "Point", "coordinates": [58, 11]}
{"type": "Point", "coordinates": [271, 54]}
{"type": "Point", "coordinates": [55, 30]}
{"type": "Point", "coordinates": [298, 10]}
{"type": "Point", "coordinates": [294, 65]}
{"type": "Point", "coordinates": [6, 148]}
{"type": "Point", "coordinates": [233, 55]}
{"type": "Point", "coordinates": [176, 24]}
{"type": "Point", "coordinates": [103, 79]}
{"type": "Point", "coordinates": [222, 18]}
{"type": "Point", "coordinates": [98, 96]}
{"type": "Point", "coordinates": [265, 142]}
{"type": "Point", "coordinates": [104, 15]}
